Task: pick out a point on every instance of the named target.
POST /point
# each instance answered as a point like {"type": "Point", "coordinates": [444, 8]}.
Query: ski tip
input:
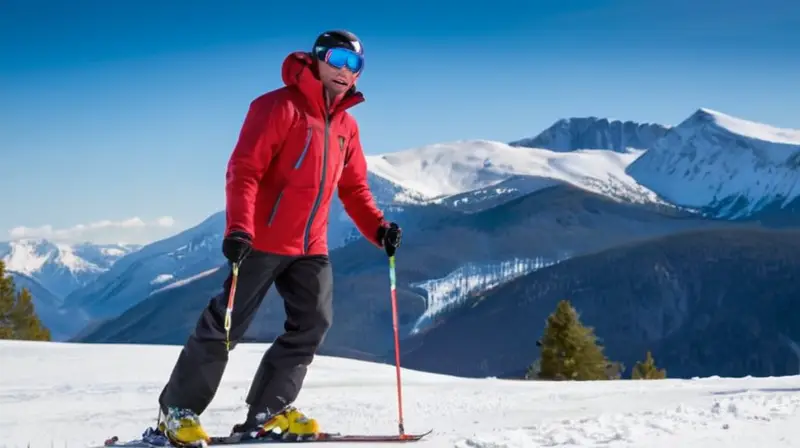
{"type": "Point", "coordinates": [415, 436]}
{"type": "Point", "coordinates": [404, 437]}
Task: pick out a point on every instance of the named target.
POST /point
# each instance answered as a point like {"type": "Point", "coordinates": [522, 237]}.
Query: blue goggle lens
{"type": "Point", "coordinates": [342, 57]}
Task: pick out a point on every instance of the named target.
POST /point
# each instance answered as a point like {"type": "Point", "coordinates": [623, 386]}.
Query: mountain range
{"type": "Point", "coordinates": [52, 270]}
{"type": "Point", "coordinates": [479, 216]}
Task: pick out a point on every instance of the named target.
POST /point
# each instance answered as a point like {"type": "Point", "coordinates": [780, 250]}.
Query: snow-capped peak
{"type": "Point", "coordinates": [446, 169]}
{"type": "Point", "coordinates": [58, 266]}
{"type": "Point", "coordinates": [746, 128]}
{"type": "Point", "coordinates": [66, 256]}
{"type": "Point", "coordinates": [723, 165]}
{"type": "Point", "coordinates": [28, 256]}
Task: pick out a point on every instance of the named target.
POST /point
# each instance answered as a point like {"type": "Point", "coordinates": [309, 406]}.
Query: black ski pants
{"type": "Point", "coordinates": [306, 285]}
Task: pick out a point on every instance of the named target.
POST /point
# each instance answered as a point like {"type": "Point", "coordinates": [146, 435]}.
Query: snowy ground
{"type": "Point", "coordinates": [72, 395]}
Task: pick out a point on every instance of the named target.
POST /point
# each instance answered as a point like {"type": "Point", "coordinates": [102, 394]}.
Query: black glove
{"type": "Point", "coordinates": [236, 246]}
{"type": "Point", "coordinates": [389, 237]}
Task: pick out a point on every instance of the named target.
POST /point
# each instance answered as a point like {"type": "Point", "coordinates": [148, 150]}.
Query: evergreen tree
{"type": "Point", "coordinates": [647, 370]}
{"type": "Point", "coordinates": [569, 350]}
{"type": "Point", "coordinates": [27, 325]}
{"type": "Point", "coordinates": [6, 303]}
{"type": "Point", "coordinates": [18, 319]}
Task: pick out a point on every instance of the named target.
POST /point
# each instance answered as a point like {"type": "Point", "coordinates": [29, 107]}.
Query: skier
{"type": "Point", "coordinates": [296, 146]}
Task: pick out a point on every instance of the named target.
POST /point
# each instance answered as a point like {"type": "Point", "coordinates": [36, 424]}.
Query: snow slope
{"type": "Point", "coordinates": [57, 394]}
{"type": "Point", "coordinates": [722, 164]}
{"type": "Point", "coordinates": [155, 266]}
{"type": "Point", "coordinates": [446, 169]}
{"type": "Point", "coordinates": [451, 290]}
{"type": "Point", "coordinates": [61, 268]}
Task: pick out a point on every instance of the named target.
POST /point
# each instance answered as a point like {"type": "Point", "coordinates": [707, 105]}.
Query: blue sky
{"type": "Point", "coordinates": [114, 112]}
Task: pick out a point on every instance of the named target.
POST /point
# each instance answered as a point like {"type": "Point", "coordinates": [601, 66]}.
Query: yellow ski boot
{"type": "Point", "coordinates": [182, 427]}
{"type": "Point", "coordinates": [288, 424]}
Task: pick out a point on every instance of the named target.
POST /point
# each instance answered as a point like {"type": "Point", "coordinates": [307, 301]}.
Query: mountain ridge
{"type": "Point", "coordinates": [574, 133]}
{"type": "Point", "coordinates": [722, 165]}
{"type": "Point", "coordinates": [60, 267]}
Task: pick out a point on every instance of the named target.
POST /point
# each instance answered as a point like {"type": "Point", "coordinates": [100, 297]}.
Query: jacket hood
{"type": "Point", "coordinates": [298, 71]}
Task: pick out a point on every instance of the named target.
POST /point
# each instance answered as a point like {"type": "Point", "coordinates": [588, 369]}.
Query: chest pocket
{"type": "Point", "coordinates": [343, 153]}
{"type": "Point", "coordinates": [309, 162]}
{"type": "Point", "coordinates": [303, 162]}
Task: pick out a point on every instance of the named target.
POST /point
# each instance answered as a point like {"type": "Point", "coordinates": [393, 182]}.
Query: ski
{"type": "Point", "coordinates": [237, 440]}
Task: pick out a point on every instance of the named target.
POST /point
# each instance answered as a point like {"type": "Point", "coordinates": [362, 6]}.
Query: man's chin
{"type": "Point", "coordinates": [337, 89]}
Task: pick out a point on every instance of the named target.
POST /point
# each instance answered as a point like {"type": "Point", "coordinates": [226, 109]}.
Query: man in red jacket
{"type": "Point", "coordinates": [296, 146]}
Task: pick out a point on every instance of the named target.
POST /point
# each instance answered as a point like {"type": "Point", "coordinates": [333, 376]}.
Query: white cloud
{"type": "Point", "coordinates": [165, 221]}
{"type": "Point", "coordinates": [132, 230]}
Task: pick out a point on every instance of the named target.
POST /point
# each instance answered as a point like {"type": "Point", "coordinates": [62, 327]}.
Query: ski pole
{"type": "Point", "coordinates": [229, 308]}
{"type": "Point", "coordinates": [393, 288]}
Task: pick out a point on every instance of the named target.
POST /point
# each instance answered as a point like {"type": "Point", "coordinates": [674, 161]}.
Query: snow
{"type": "Point", "coordinates": [132, 278]}
{"type": "Point", "coordinates": [29, 256]}
{"type": "Point", "coordinates": [67, 257]}
{"type": "Point", "coordinates": [729, 166]}
{"type": "Point", "coordinates": [471, 278]}
{"type": "Point", "coordinates": [447, 169]}
{"type": "Point", "coordinates": [59, 394]}
{"type": "Point", "coordinates": [24, 258]}
{"type": "Point", "coordinates": [58, 266]}
{"type": "Point", "coordinates": [113, 251]}
{"type": "Point", "coordinates": [185, 281]}
{"type": "Point", "coordinates": [754, 129]}
{"type": "Point", "coordinates": [162, 278]}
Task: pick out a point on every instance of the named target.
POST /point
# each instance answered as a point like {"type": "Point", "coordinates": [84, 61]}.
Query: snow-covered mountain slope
{"type": "Point", "coordinates": [569, 134]}
{"type": "Point", "coordinates": [468, 173]}
{"type": "Point", "coordinates": [60, 387]}
{"type": "Point", "coordinates": [58, 267]}
{"type": "Point", "coordinates": [449, 292]}
{"type": "Point", "coordinates": [722, 165]}
{"type": "Point", "coordinates": [154, 266]}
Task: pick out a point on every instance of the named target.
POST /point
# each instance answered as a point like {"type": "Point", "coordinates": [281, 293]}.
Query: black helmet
{"type": "Point", "coordinates": [336, 39]}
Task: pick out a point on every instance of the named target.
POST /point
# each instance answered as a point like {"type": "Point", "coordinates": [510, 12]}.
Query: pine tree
{"type": "Point", "coordinates": [27, 325]}
{"type": "Point", "coordinates": [569, 350]}
{"type": "Point", "coordinates": [6, 303]}
{"type": "Point", "coordinates": [647, 370]}
{"type": "Point", "coordinates": [18, 319]}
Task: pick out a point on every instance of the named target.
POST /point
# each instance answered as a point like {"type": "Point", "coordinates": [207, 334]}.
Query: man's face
{"type": "Point", "coordinates": [336, 81]}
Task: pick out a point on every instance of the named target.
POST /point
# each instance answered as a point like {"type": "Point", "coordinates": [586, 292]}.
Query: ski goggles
{"type": "Point", "coordinates": [341, 57]}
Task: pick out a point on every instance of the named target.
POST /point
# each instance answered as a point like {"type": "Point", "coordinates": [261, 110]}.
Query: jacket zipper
{"type": "Point", "coordinates": [305, 149]}
{"type": "Point", "coordinates": [296, 166]}
{"type": "Point", "coordinates": [321, 185]}
{"type": "Point", "coordinates": [275, 208]}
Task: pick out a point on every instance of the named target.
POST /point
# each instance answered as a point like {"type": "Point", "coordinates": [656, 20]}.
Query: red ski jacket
{"type": "Point", "coordinates": [291, 155]}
